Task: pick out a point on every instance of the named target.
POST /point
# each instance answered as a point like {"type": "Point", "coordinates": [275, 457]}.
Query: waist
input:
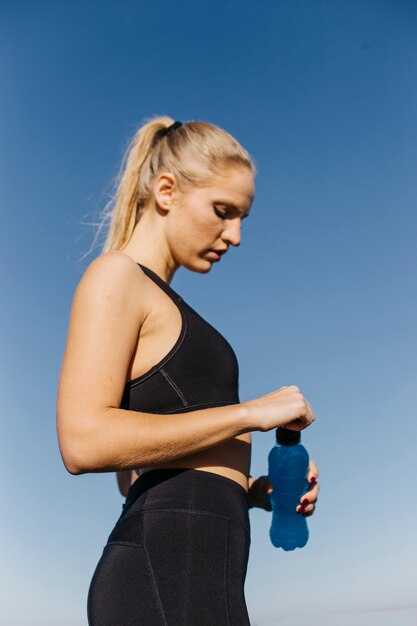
{"type": "Point", "coordinates": [230, 459]}
{"type": "Point", "coordinates": [186, 489]}
{"type": "Point", "coordinates": [229, 473]}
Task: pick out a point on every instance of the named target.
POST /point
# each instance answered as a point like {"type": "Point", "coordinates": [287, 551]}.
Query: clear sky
{"type": "Point", "coordinates": [321, 293]}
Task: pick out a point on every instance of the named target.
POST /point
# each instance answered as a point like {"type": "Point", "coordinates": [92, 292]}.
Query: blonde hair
{"type": "Point", "coordinates": [194, 153]}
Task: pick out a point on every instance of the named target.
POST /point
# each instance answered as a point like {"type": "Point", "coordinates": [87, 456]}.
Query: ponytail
{"type": "Point", "coordinates": [127, 204]}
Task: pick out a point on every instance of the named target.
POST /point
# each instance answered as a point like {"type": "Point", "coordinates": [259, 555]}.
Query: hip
{"type": "Point", "coordinates": [177, 555]}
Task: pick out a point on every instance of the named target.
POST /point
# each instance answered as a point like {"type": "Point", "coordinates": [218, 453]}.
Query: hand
{"type": "Point", "coordinates": [310, 497]}
{"type": "Point", "coordinates": [283, 407]}
{"type": "Point", "coordinates": [260, 488]}
{"type": "Point", "coordinates": [258, 493]}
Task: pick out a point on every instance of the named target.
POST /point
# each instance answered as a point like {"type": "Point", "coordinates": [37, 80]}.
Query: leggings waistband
{"type": "Point", "coordinates": [189, 490]}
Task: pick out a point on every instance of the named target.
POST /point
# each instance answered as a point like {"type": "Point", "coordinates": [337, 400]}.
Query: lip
{"type": "Point", "coordinates": [216, 254]}
{"type": "Point", "coordinates": [220, 252]}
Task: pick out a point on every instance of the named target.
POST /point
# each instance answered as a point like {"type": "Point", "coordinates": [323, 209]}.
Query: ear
{"type": "Point", "coordinates": [165, 190]}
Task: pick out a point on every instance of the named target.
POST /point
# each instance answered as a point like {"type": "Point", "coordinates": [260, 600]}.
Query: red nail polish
{"type": "Point", "coordinates": [312, 480]}
{"type": "Point", "coordinates": [304, 502]}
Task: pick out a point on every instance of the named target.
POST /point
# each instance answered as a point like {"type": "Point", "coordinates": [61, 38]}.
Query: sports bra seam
{"type": "Point", "coordinates": [174, 387]}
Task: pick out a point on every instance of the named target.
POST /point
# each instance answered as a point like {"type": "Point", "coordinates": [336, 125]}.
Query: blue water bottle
{"type": "Point", "coordinates": [287, 471]}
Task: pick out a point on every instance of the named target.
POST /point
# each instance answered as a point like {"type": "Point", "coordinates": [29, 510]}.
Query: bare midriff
{"type": "Point", "coordinates": [231, 459]}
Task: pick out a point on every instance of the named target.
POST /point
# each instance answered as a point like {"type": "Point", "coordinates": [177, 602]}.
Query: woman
{"type": "Point", "coordinates": [149, 389]}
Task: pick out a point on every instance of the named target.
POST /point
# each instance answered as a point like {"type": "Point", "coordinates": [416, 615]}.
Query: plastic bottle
{"type": "Point", "coordinates": [288, 470]}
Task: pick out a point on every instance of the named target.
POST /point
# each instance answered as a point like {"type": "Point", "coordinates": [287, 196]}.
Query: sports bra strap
{"type": "Point", "coordinates": [160, 282]}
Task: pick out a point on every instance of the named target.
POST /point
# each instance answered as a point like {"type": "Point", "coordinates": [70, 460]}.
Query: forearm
{"type": "Point", "coordinates": [118, 440]}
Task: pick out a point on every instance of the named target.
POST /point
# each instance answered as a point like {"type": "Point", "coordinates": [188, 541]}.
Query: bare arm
{"type": "Point", "coordinates": [94, 434]}
{"type": "Point", "coordinates": [115, 439]}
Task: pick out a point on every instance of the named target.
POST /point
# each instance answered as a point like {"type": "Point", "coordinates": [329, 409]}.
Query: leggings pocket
{"type": "Point", "coordinates": [122, 591]}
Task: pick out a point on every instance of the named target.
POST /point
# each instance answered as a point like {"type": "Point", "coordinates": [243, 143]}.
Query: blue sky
{"type": "Point", "coordinates": [321, 293]}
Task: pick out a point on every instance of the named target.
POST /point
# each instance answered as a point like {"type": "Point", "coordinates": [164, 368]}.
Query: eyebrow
{"type": "Point", "coordinates": [232, 206]}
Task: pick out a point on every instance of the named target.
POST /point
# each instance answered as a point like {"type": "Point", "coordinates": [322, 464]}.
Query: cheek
{"type": "Point", "coordinates": [193, 228]}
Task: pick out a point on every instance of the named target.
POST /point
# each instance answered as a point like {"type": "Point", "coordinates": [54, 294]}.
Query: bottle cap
{"type": "Point", "coordinates": [287, 437]}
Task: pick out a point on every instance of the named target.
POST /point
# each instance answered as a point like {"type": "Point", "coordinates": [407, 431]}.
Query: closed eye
{"type": "Point", "coordinates": [224, 214]}
{"type": "Point", "coordinates": [221, 214]}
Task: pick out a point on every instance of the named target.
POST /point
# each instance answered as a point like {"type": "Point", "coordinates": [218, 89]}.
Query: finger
{"type": "Point", "coordinates": [308, 513]}
{"type": "Point", "coordinates": [267, 506]}
{"type": "Point", "coordinates": [265, 484]}
{"type": "Point", "coordinates": [309, 510]}
{"type": "Point", "coordinates": [264, 489]}
{"type": "Point", "coordinates": [310, 409]}
{"type": "Point", "coordinates": [312, 493]}
{"type": "Point", "coordinates": [306, 510]}
{"type": "Point", "coordinates": [296, 425]}
{"type": "Point", "coordinates": [262, 479]}
{"type": "Point", "coordinates": [313, 471]}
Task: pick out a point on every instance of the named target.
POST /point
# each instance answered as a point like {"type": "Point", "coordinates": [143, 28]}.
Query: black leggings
{"type": "Point", "coordinates": [177, 556]}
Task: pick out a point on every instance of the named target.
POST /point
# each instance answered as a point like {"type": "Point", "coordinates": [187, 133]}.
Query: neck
{"type": "Point", "coordinates": [148, 246]}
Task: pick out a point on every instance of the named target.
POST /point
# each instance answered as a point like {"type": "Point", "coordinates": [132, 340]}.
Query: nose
{"type": "Point", "coordinates": [231, 233]}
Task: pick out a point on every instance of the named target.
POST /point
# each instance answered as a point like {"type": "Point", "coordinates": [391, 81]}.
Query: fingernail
{"type": "Point", "coordinates": [300, 509]}
{"type": "Point", "coordinates": [312, 480]}
{"type": "Point", "coordinates": [304, 502]}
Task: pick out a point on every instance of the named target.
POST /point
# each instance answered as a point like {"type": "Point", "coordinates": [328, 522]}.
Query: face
{"type": "Point", "coordinates": [206, 219]}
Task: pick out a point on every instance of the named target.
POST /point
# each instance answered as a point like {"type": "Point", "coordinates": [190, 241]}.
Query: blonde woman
{"type": "Point", "coordinates": [149, 389]}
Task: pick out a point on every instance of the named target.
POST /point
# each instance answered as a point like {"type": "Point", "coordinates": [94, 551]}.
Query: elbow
{"type": "Point", "coordinates": [76, 449]}
{"type": "Point", "coordinates": [74, 463]}
{"type": "Point", "coordinates": [80, 457]}
{"type": "Point", "coordinates": [73, 469]}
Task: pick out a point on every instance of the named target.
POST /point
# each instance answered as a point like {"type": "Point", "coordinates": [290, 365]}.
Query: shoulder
{"type": "Point", "coordinates": [113, 277]}
{"type": "Point", "coordinates": [114, 265]}
{"type": "Point", "coordinates": [114, 269]}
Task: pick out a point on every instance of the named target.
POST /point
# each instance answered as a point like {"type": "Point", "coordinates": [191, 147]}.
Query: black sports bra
{"type": "Point", "coordinates": [200, 371]}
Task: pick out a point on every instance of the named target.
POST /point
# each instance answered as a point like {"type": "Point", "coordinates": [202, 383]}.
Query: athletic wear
{"type": "Point", "coordinates": [200, 371]}
{"type": "Point", "coordinates": [177, 556]}
{"type": "Point", "coordinates": [178, 553]}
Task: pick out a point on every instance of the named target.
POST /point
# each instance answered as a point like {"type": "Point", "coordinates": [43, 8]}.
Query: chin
{"type": "Point", "coordinates": [202, 267]}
